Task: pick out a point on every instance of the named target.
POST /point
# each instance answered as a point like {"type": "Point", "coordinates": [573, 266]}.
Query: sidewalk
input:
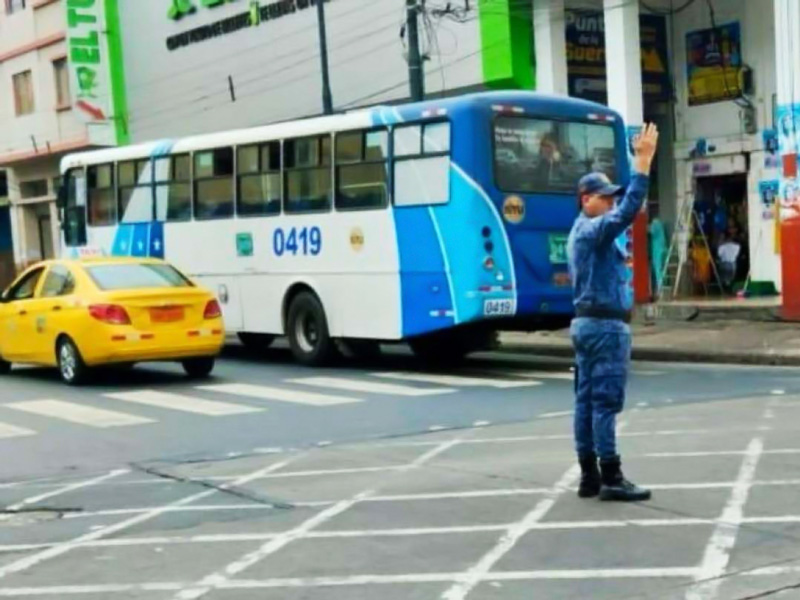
{"type": "Point", "coordinates": [718, 341]}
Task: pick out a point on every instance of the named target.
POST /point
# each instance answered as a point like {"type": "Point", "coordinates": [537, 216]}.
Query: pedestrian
{"type": "Point", "coordinates": [601, 333]}
{"type": "Point", "coordinates": [728, 254]}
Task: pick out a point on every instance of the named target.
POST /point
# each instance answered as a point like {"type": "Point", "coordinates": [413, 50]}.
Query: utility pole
{"type": "Point", "coordinates": [327, 97]}
{"type": "Point", "coordinates": [416, 75]}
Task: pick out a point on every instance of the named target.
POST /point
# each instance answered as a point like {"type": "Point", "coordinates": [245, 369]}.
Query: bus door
{"type": "Point", "coordinates": [72, 204]}
{"type": "Point", "coordinates": [537, 164]}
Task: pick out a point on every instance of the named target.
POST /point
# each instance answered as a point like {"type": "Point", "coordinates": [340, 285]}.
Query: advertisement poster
{"type": "Point", "coordinates": [772, 158]}
{"type": "Point", "coordinates": [768, 192]}
{"type": "Point", "coordinates": [788, 121]}
{"type": "Point", "coordinates": [713, 62]}
{"type": "Point", "coordinates": [586, 56]}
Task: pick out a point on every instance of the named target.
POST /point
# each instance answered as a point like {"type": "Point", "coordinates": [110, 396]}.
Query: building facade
{"type": "Point", "coordinates": [57, 97]}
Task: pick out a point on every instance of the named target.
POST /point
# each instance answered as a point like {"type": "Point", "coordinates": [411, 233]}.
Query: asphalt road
{"type": "Point", "coordinates": [383, 480]}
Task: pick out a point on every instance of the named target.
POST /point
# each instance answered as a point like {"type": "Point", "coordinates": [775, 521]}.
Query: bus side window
{"type": "Point", "coordinates": [173, 175]}
{"type": "Point", "coordinates": [135, 195]}
{"type": "Point", "coordinates": [361, 175]}
{"type": "Point", "coordinates": [213, 184]}
{"type": "Point", "coordinates": [422, 164]}
{"type": "Point", "coordinates": [259, 179]}
{"type": "Point", "coordinates": [101, 206]}
{"type": "Point", "coordinates": [307, 164]}
{"type": "Point", "coordinates": [75, 209]}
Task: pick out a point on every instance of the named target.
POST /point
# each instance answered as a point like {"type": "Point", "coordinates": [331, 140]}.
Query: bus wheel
{"type": "Point", "coordinates": [362, 349]}
{"type": "Point", "coordinates": [255, 341]}
{"type": "Point", "coordinates": [307, 328]}
{"type": "Point", "coordinates": [439, 350]}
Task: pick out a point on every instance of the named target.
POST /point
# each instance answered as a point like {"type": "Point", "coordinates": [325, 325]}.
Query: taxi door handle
{"type": "Point", "coordinates": [56, 308]}
{"type": "Point", "coordinates": [22, 313]}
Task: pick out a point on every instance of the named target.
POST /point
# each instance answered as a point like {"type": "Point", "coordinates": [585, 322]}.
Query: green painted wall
{"type": "Point", "coordinates": [507, 43]}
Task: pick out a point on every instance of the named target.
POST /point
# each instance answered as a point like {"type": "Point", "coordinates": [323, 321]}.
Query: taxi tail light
{"type": "Point", "coordinates": [212, 311]}
{"type": "Point", "coordinates": [112, 314]}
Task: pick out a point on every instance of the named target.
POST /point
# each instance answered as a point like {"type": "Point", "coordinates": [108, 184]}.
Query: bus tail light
{"type": "Point", "coordinates": [488, 263]}
{"type": "Point", "coordinates": [112, 314]}
{"type": "Point", "coordinates": [212, 311]}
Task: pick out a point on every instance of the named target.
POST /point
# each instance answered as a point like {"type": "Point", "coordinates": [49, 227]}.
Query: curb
{"type": "Point", "coordinates": [665, 355]}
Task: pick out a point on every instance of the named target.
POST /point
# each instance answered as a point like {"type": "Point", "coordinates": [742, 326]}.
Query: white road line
{"type": "Point", "coordinates": [217, 579]}
{"type": "Point", "coordinates": [718, 453]}
{"type": "Point", "coordinates": [717, 552]}
{"type": "Point", "coordinates": [281, 395]}
{"type": "Point", "coordinates": [513, 534]}
{"type": "Point", "coordinates": [543, 375]}
{"type": "Point", "coordinates": [12, 431]}
{"type": "Point", "coordinates": [371, 387]}
{"type": "Point", "coordinates": [183, 403]}
{"type": "Point", "coordinates": [62, 490]}
{"type": "Point", "coordinates": [554, 415]}
{"type": "Point", "coordinates": [62, 548]}
{"type": "Point", "coordinates": [78, 413]}
{"type": "Point", "coordinates": [459, 495]}
{"type": "Point", "coordinates": [457, 380]}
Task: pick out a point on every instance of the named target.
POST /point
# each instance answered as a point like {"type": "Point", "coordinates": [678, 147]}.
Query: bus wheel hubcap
{"type": "Point", "coordinates": [307, 333]}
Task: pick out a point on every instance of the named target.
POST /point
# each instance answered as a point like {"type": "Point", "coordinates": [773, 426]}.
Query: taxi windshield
{"type": "Point", "coordinates": [136, 276]}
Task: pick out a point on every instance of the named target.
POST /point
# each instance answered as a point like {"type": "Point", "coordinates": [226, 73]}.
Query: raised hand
{"type": "Point", "coordinates": [644, 148]}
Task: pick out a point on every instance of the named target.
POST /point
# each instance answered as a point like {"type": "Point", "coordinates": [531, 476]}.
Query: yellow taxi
{"type": "Point", "coordinates": [78, 314]}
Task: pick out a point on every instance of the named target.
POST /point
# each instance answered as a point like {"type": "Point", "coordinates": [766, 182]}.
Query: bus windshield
{"type": "Point", "coordinates": [545, 156]}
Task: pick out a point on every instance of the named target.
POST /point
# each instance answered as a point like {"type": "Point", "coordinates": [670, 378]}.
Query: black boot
{"type": "Point", "coordinates": [590, 476]}
{"type": "Point", "coordinates": [615, 486]}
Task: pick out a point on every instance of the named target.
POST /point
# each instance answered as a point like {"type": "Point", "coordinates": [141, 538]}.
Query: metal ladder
{"type": "Point", "coordinates": [678, 254]}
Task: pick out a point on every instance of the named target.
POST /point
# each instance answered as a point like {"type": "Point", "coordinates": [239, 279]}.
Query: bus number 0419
{"type": "Point", "coordinates": [305, 241]}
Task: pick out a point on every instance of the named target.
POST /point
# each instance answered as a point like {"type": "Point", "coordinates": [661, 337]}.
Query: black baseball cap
{"type": "Point", "coordinates": [598, 183]}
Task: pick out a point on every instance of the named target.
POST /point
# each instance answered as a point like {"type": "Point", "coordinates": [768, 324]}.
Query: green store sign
{"type": "Point", "coordinates": [180, 8]}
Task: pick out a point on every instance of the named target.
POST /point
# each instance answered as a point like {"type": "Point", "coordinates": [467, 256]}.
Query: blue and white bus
{"type": "Point", "coordinates": [435, 223]}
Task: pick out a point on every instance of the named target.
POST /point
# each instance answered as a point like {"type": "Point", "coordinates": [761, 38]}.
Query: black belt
{"type": "Point", "coordinates": [604, 313]}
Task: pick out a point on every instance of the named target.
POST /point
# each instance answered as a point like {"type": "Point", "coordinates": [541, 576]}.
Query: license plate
{"type": "Point", "coordinates": [557, 243]}
{"type": "Point", "coordinates": [498, 308]}
{"type": "Point", "coordinates": [168, 314]}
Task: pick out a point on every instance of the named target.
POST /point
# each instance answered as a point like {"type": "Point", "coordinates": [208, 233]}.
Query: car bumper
{"type": "Point", "coordinates": [132, 346]}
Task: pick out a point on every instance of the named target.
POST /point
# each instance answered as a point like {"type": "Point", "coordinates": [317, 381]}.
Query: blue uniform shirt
{"type": "Point", "coordinates": [598, 255]}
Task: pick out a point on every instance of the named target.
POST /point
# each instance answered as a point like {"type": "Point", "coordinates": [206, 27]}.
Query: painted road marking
{"type": "Point", "coordinates": [543, 375]}
{"type": "Point", "coordinates": [12, 431]}
{"type": "Point", "coordinates": [281, 395]}
{"type": "Point", "coordinates": [457, 380]}
{"type": "Point", "coordinates": [183, 403]}
{"type": "Point", "coordinates": [371, 387]}
{"type": "Point", "coordinates": [78, 413]}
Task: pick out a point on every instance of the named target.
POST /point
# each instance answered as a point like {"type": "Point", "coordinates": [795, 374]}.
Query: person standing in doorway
{"type": "Point", "coordinates": [601, 334]}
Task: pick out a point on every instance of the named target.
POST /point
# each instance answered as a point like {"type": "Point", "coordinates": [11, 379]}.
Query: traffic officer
{"type": "Point", "coordinates": [600, 331]}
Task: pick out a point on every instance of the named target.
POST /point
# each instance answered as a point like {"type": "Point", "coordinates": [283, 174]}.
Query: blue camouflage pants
{"type": "Point", "coordinates": [603, 350]}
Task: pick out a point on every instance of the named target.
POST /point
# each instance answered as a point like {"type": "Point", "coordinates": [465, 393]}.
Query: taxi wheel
{"type": "Point", "coordinates": [71, 367]}
{"type": "Point", "coordinates": [199, 368]}
{"type": "Point", "coordinates": [5, 367]}
{"type": "Point", "coordinates": [308, 333]}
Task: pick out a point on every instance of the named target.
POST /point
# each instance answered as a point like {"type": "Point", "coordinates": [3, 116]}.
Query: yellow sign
{"type": "Point", "coordinates": [356, 239]}
{"type": "Point", "coordinates": [514, 209]}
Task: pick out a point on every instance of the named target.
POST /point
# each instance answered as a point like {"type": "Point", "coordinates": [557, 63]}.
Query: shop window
{"type": "Point", "coordinates": [259, 179]}
{"type": "Point", "coordinates": [36, 188]}
{"type": "Point", "coordinates": [422, 164]}
{"type": "Point", "coordinates": [61, 76]}
{"type": "Point", "coordinates": [13, 6]}
{"type": "Point", "coordinates": [307, 164]}
{"type": "Point", "coordinates": [361, 170]}
{"type": "Point", "coordinates": [213, 184]}
{"type": "Point", "coordinates": [100, 186]}
{"type": "Point", "coordinates": [173, 188]}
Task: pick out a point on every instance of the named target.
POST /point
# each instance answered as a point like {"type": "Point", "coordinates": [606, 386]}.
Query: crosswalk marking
{"type": "Point", "coordinates": [457, 380]}
{"type": "Point", "coordinates": [183, 403]}
{"type": "Point", "coordinates": [281, 395]}
{"type": "Point", "coordinates": [372, 387]}
{"type": "Point", "coordinates": [12, 431]}
{"type": "Point", "coordinates": [78, 413]}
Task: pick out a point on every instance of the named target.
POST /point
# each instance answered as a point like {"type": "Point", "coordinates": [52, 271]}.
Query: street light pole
{"type": "Point", "coordinates": [327, 97]}
{"type": "Point", "coordinates": [416, 75]}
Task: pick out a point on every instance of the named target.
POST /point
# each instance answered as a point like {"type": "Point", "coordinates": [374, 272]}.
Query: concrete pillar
{"type": "Point", "coordinates": [623, 60]}
{"type": "Point", "coordinates": [550, 37]}
{"type": "Point", "coordinates": [787, 67]}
